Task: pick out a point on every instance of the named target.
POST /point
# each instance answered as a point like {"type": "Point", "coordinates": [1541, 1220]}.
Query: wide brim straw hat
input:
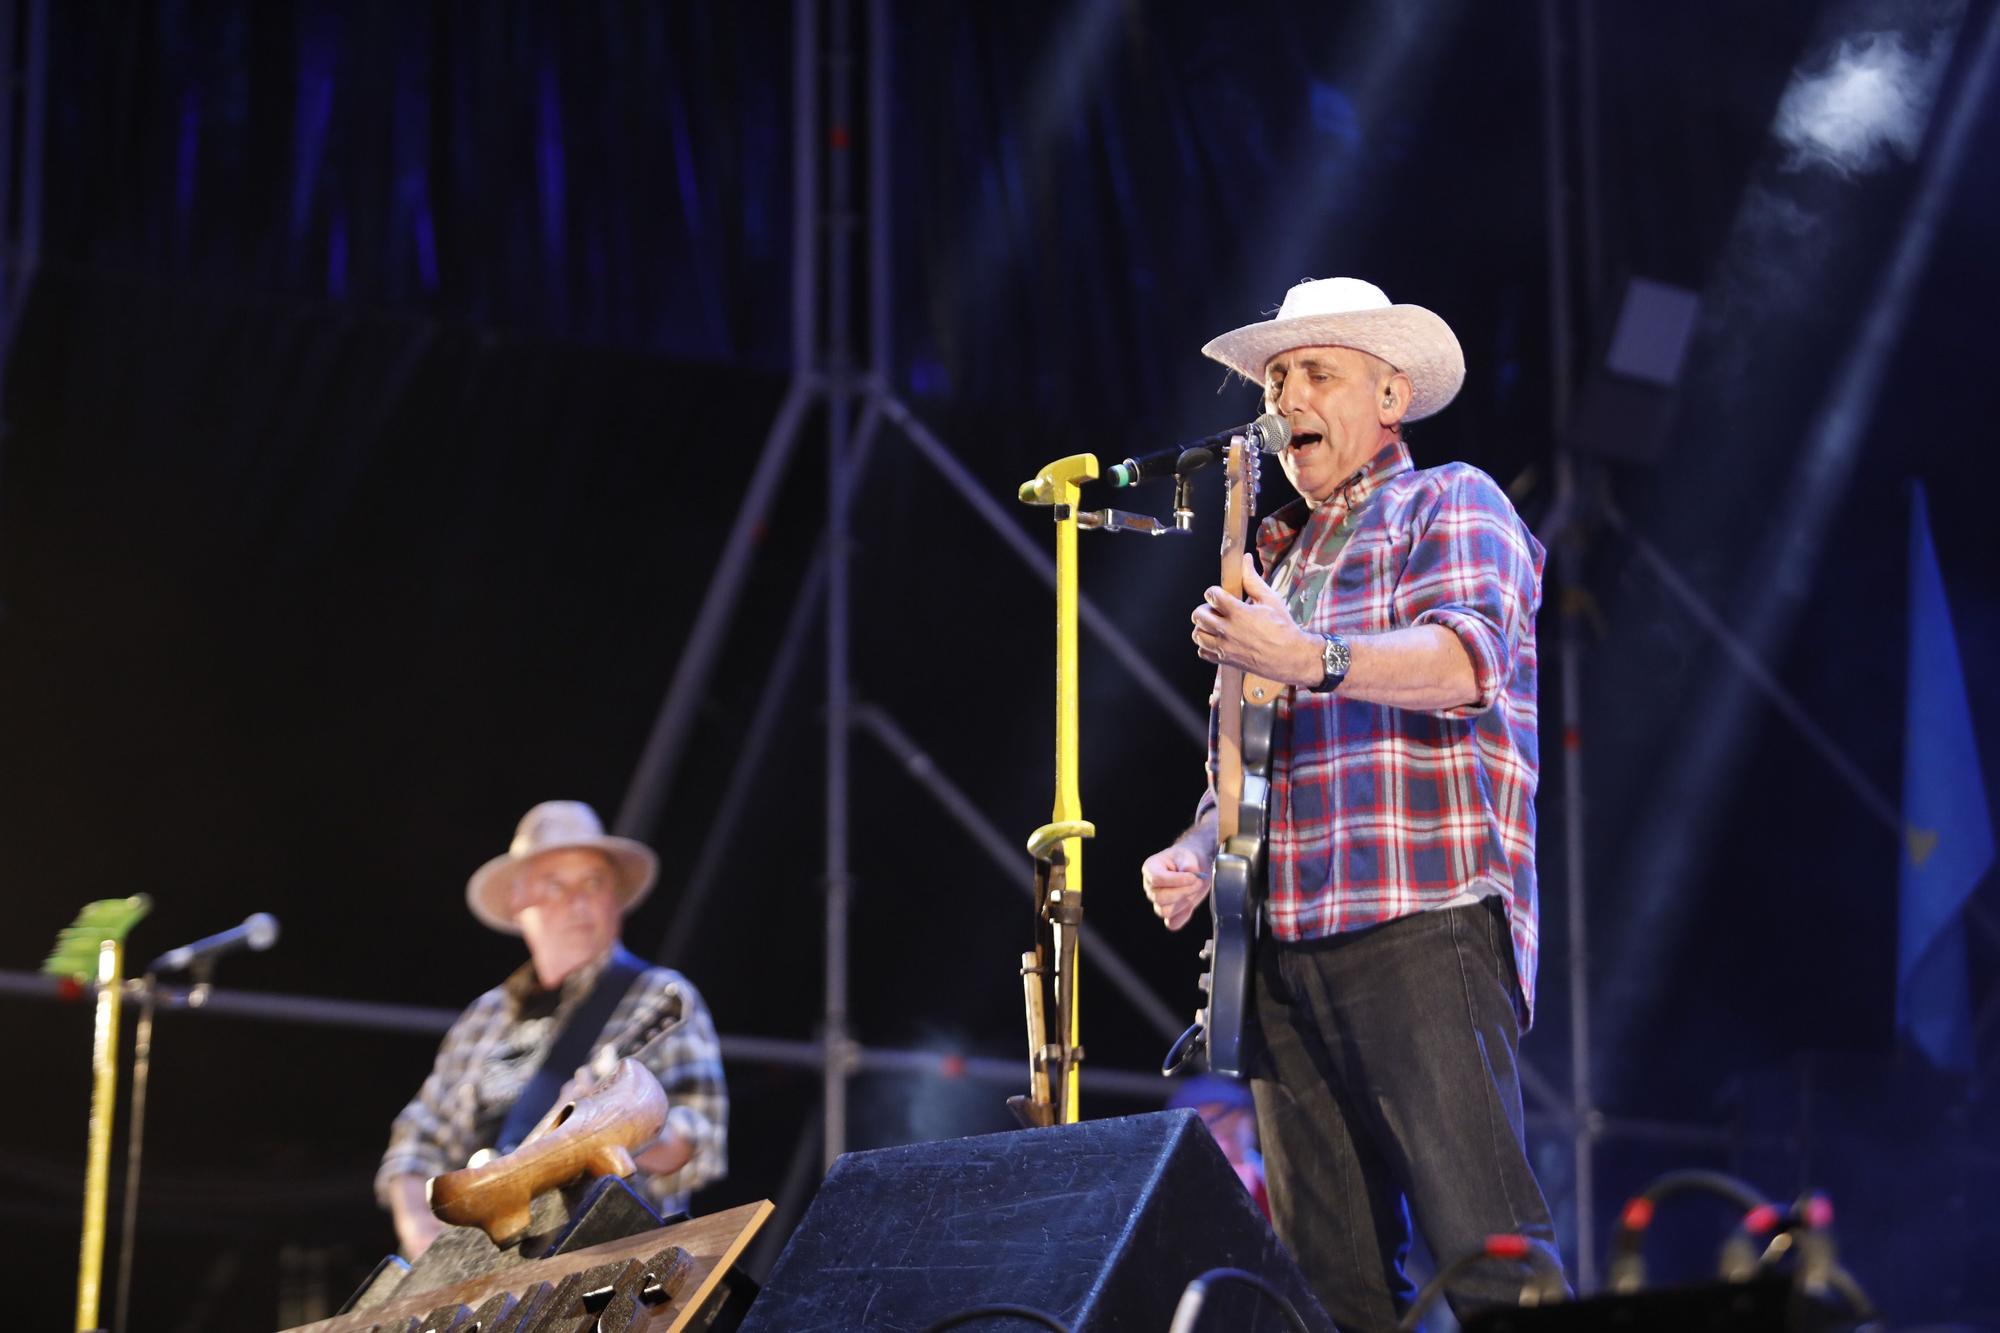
{"type": "Point", "coordinates": [555, 826]}
{"type": "Point", "coordinates": [1347, 312]}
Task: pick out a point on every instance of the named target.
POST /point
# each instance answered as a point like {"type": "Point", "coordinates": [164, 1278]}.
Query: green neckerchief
{"type": "Point", "coordinates": [1302, 595]}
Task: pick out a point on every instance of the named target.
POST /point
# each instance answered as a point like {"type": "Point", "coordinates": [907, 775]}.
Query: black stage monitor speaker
{"type": "Point", "coordinates": [1100, 1224]}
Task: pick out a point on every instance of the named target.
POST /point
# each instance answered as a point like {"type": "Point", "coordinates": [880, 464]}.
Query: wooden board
{"type": "Point", "coordinates": [714, 1242]}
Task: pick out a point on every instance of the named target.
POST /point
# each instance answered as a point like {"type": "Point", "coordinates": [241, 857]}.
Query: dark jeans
{"type": "Point", "coordinates": [1388, 1075]}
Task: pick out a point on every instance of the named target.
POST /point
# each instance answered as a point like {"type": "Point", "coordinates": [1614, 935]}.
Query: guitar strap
{"type": "Point", "coordinates": [572, 1046]}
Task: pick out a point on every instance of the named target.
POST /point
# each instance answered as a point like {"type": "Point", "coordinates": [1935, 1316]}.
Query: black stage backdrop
{"type": "Point", "coordinates": [377, 416]}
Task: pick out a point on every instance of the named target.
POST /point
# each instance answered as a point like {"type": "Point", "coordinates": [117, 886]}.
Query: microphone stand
{"type": "Point", "coordinates": [1049, 970]}
{"type": "Point", "coordinates": [146, 990]}
{"type": "Point", "coordinates": [142, 1064]}
{"type": "Point", "coordinates": [94, 944]}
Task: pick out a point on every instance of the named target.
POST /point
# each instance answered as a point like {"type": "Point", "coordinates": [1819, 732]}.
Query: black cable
{"type": "Point", "coordinates": [1858, 1303]}
{"type": "Point", "coordinates": [1805, 1229]}
{"type": "Point", "coordinates": [1027, 1312]}
{"type": "Point", "coordinates": [1805, 1221]}
{"type": "Point", "coordinates": [1535, 1261]}
{"type": "Point", "coordinates": [1188, 1310]}
{"type": "Point", "coordinates": [1414, 1317]}
{"type": "Point", "coordinates": [1628, 1261]}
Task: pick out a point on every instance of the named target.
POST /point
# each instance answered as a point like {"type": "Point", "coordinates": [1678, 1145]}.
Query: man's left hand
{"type": "Point", "coordinates": [1257, 635]}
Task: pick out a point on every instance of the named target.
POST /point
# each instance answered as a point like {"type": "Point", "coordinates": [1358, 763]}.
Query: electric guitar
{"type": "Point", "coordinates": [594, 1133]}
{"type": "Point", "coordinates": [1246, 708]}
{"type": "Point", "coordinates": [605, 1062]}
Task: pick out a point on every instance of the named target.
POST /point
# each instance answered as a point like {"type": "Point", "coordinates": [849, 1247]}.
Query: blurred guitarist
{"type": "Point", "coordinates": [1395, 971]}
{"type": "Point", "coordinates": [561, 1023]}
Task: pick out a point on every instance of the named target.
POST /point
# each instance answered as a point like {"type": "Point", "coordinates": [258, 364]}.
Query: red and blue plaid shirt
{"type": "Point", "coordinates": [1381, 812]}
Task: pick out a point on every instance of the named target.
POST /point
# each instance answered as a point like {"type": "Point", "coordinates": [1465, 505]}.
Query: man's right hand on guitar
{"type": "Point", "coordinates": [1176, 881]}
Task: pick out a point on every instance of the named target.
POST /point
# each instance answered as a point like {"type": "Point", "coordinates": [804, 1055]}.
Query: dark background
{"type": "Point", "coordinates": [391, 373]}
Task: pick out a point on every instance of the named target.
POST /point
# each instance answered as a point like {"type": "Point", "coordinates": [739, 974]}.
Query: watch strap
{"type": "Point", "coordinates": [1335, 659]}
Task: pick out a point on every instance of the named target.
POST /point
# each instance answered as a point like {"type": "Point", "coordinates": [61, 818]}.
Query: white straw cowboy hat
{"type": "Point", "coordinates": [1347, 312]}
{"type": "Point", "coordinates": [555, 826]}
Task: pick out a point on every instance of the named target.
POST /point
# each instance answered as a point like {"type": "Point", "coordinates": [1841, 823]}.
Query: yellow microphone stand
{"type": "Point", "coordinates": [94, 945]}
{"type": "Point", "coordinates": [1049, 970]}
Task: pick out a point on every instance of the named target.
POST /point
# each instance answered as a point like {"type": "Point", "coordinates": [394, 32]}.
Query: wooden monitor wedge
{"type": "Point", "coordinates": [663, 1281]}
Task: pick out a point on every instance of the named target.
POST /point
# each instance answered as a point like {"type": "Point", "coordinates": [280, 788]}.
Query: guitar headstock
{"type": "Point", "coordinates": [1240, 481]}
{"type": "Point", "coordinates": [636, 1045]}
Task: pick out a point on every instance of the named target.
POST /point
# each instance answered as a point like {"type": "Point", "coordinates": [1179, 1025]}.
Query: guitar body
{"type": "Point", "coordinates": [631, 1048]}
{"type": "Point", "coordinates": [1236, 903]}
{"type": "Point", "coordinates": [595, 1134]}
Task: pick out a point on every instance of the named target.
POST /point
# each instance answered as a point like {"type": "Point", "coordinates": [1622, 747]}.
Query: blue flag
{"type": "Point", "coordinates": [1947, 832]}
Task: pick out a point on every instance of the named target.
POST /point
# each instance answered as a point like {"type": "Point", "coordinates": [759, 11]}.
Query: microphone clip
{"type": "Point", "coordinates": [1120, 520]}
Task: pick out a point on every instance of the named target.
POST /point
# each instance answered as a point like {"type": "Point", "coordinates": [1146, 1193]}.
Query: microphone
{"type": "Point", "coordinates": [257, 933]}
{"type": "Point", "coordinates": [1269, 432]}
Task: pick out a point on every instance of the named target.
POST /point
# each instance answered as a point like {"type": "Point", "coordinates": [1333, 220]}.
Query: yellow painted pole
{"type": "Point", "coordinates": [1068, 803]}
{"type": "Point", "coordinates": [95, 944]}
{"type": "Point", "coordinates": [1059, 484]}
{"type": "Point", "coordinates": [103, 1108]}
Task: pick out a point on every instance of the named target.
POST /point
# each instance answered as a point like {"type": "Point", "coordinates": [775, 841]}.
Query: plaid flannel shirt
{"type": "Point", "coordinates": [1380, 812]}
{"type": "Point", "coordinates": [492, 1051]}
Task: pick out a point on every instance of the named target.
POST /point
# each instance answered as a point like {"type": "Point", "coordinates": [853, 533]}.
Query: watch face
{"type": "Point", "coordinates": [1334, 657]}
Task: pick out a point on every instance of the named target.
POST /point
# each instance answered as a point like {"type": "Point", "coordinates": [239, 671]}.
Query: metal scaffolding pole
{"type": "Point", "coordinates": [9, 80]}
{"type": "Point", "coordinates": [779, 1052]}
{"type": "Point", "coordinates": [428, 1021]}
{"type": "Point", "coordinates": [1012, 860]}
{"type": "Point", "coordinates": [35, 110]}
{"type": "Point", "coordinates": [24, 68]}
{"type": "Point", "coordinates": [824, 372]}
{"type": "Point", "coordinates": [840, 396]}
{"type": "Point", "coordinates": [652, 775]}
{"type": "Point", "coordinates": [1569, 581]}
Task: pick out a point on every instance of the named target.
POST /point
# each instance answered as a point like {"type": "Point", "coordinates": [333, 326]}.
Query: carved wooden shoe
{"type": "Point", "coordinates": [592, 1135]}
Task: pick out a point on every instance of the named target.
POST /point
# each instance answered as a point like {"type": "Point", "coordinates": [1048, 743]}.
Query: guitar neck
{"type": "Point", "coordinates": [1228, 753]}
{"type": "Point", "coordinates": [1241, 502]}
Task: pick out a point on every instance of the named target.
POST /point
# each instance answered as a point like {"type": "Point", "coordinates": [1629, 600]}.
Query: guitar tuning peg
{"type": "Point", "coordinates": [1207, 983]}
{"type": "Point", "coordinates": [1208, 951]}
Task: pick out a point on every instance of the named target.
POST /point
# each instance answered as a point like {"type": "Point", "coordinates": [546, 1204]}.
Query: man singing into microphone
{"type": "Point", "coordinates": [1396, 968]}
{"type": "Point", "coordinates": [561, 1023]}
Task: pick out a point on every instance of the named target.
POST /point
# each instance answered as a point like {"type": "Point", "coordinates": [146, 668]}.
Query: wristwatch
{"type": "Point", "coordinates": [1334, 657]}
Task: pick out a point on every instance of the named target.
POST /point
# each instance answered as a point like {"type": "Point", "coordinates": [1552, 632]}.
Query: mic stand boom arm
{"type": "Point", "coordinates": [1119, 520]}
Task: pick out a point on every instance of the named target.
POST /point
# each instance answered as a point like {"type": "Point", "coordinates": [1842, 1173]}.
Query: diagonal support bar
{"type": "Point", "coordinates": [1113, 639]}
{"type": "Point", "coordinates": [1873, 799]}
{"type": "Point", "coordinates": [1008, 854]}
{"type": "Point", "coordinates": [771, 699]}
{"type": "Point", "coordinates": [652, 779]}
